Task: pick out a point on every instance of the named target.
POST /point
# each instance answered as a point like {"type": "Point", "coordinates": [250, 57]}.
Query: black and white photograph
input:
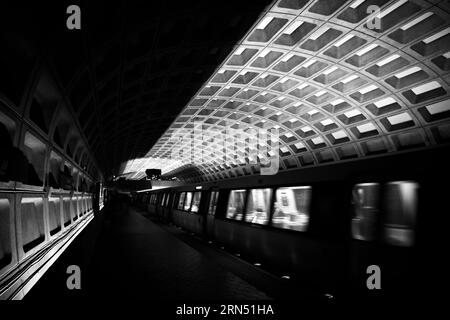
{"type": "Point", "coordinates": [225, 159]}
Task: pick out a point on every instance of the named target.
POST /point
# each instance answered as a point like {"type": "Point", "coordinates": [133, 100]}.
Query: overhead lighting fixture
{"type": "Point", "coordinates": [293, 27]}
{"type": "Point", "coordinates": [264, 23]}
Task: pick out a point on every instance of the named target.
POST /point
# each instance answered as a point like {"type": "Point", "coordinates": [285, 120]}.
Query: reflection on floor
{"type": "Point", "coordinates": [124, 255]}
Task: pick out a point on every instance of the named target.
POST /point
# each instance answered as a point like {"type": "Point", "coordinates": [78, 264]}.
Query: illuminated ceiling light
{"type": "Point", "coordinates": [407, 72]}
{"type": "Point", "coordinates": [368, 89]}
{"type": "Point", "coordinates": [416, 21]}
{"type": "Point", "coordinates": [363, 51]}
{"type": "Point", "coordinates": [318, 33]}
{"type": "Point", "coordinates": [388, 59]}
{"type": "Point", "coordinates": [392, 8]}
{"type": "Point", "coordinates": [293, 27]}
{"type": "Point", "coordinates": [339, 134]}
{"type": "Point", "coordinates": [309, 63]}
{"type": "Point", "coordinates": [287, 57]}
{"type": "Point", "coordinates": [343, 40]}
{"type": "Point", "coordinates": [337, 101]}
{"type": "Point", "coordinates": [399, 118]}
{"type": "Point", "coordinates": [264, 53]}
{"type": "Point", "coordinates": [263, 24]}
{"type": "Point", "coordinates": [350, 78]}
{"type": "Point", "coordinates": [367, 127]}
{"type": "Point", "coordinates": [317, 140]}
{"type": "Point", "coordinates": [239, 51]}
{"type": "Point", "coordinates": [356, 4]}
{"type": "Point", "coordinates": [326, 122]}
{"type": "Point", "coordinates": [426, 87]}
{"type": "Point", "coordinates": [439, 107]}
{"type": "Point", "coordinates": [436, 36]}
{"type": "Point", "coordinates": [330, 70]}
{"type": "Point", "coordinates": [384, 102]}
{"type": "Point", "coordinates": [352, 113]}
{"type": "Point", "coordinates": [320, 93]}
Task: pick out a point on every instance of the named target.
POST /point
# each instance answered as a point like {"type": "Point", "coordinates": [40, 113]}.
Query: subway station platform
{"type": "Point", "coordinates": [125, 254]}
{"type": "Point", "coordinates": [264, 151]}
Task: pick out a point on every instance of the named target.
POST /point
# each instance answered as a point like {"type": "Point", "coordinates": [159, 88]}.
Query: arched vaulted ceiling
{"type": "Point", "coordinates": [334, 87]}
{"type": "Point", "coordinates": [133, 65]}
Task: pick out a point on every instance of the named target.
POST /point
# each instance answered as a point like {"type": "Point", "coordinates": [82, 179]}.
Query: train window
{"type": "Point", "coordinates": [187, 202]}
{"type": "Point", "coordinates": [291, 208]}
{"type": "Point", "coordinates": [213, 202]}
{"type": "Point", "coordinates": [236, 202]}
{"type": "Point", "coordinates": [196, 201]}
{"type": "Point", "coordinates": [162, 199]}
{"type": "Point", "coordinates": [258, 206]}
{"type": "Point", "coordinates": [167, 200]}
{"type": "Point", "coordinates": [365, 202]}
{"type": "Point", "coordinates": [181, 200]}
{"type": "Point", "coordinates": [401, 209]}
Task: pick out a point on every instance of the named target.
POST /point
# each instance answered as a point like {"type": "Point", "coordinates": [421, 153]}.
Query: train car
{"type": "Point", "coordinates": [325, 226]}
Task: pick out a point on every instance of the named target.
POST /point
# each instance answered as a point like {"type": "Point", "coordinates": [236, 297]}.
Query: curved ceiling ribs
{"type": "Point", "coordinates": [135, 79]}
{"type": "Point", "coordinates": [334, 87]}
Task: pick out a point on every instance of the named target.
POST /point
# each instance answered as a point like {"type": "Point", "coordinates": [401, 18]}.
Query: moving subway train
{"type": "Point", "coordinates": [323, 227]}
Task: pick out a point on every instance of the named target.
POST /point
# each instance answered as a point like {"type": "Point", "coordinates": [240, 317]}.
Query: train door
{"type": "Point", "coordinates": [210, 212]}
{"type": "Point", "coordinates": [364, 249]}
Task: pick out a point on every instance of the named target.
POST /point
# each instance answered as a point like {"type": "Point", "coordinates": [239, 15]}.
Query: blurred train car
{"type": "Point", "coordinates": [324, 226]}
